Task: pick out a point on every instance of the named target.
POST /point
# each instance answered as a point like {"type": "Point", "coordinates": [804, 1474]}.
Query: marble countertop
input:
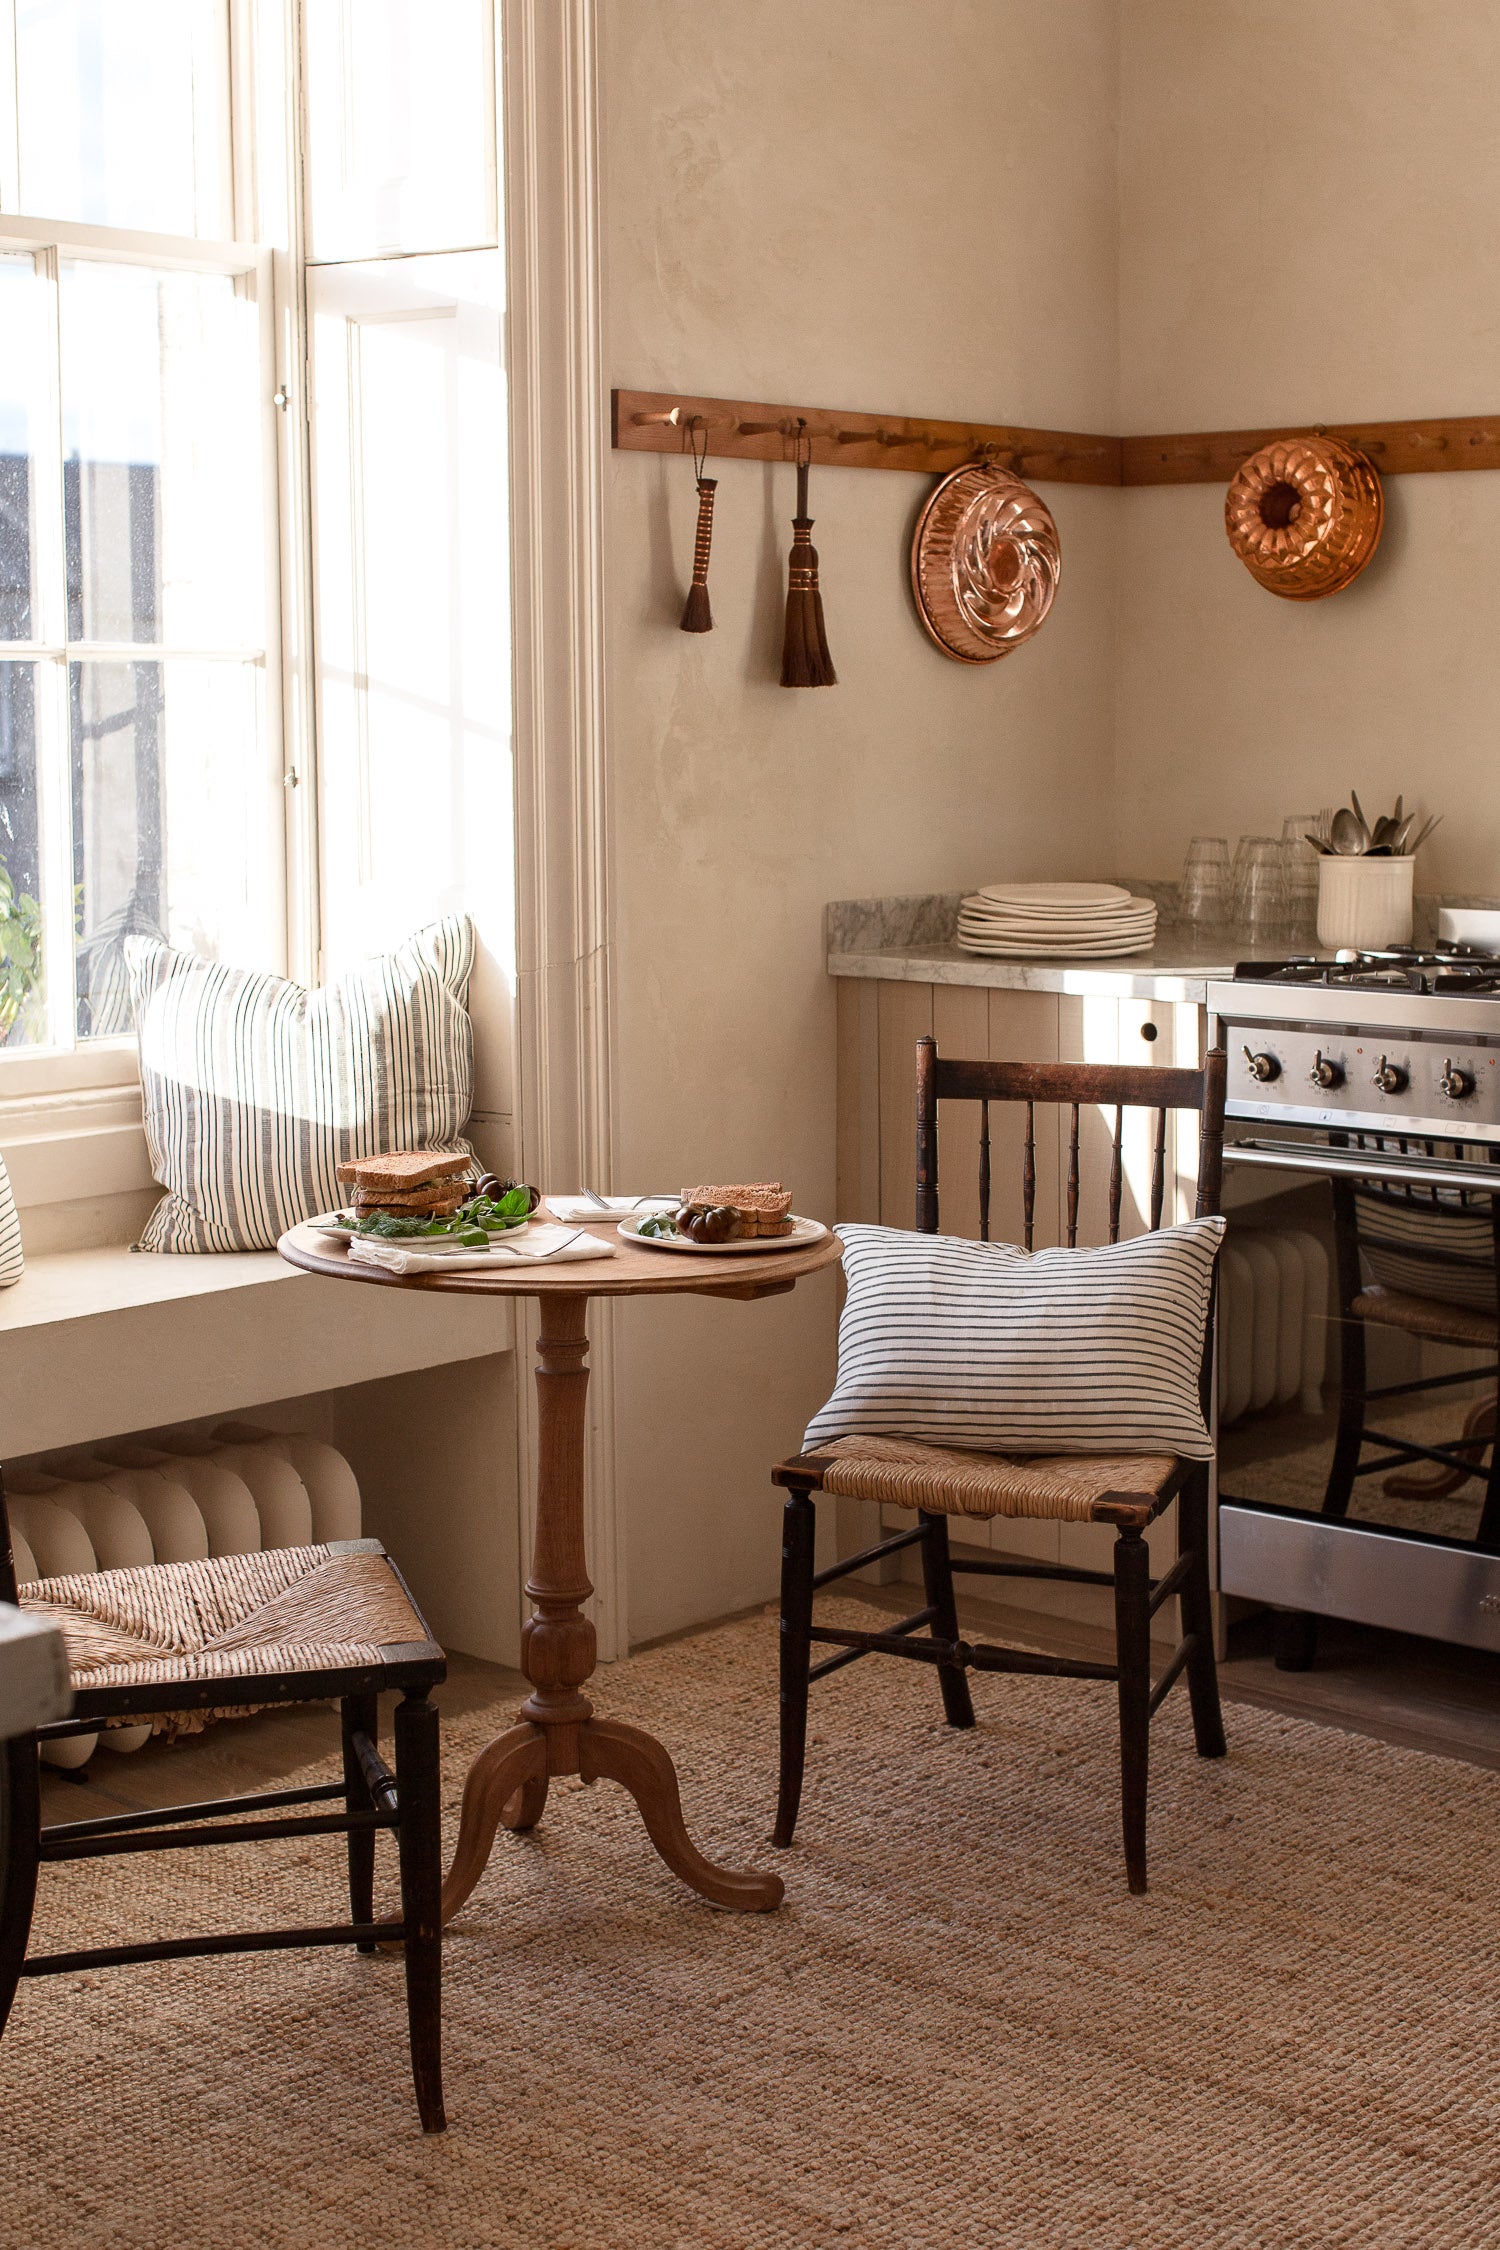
{"type": "Point", "coordinates": [1178, 967]}
{"type": "Point", "coordinates": [911, 941]}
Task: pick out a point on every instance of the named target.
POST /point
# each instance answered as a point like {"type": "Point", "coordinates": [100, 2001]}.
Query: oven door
{"type": "Point", "coordinates": [1357, 1379]}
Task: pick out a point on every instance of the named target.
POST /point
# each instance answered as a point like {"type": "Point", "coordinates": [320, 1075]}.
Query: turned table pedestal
{"type": "Point", "coordinates": [556, 1729]}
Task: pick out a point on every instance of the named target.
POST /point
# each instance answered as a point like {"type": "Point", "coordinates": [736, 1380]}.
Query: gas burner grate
{"type": "Point", "coordinates": [1451, 969]}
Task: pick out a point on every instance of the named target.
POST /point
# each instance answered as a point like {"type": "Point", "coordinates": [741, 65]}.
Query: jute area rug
{"type": "Point", "coordinates": [960, 2030]}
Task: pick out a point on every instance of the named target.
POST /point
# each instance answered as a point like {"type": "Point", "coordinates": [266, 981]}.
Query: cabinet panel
{"type": "Point", "coordinates": [857, 1185]}
{"type": "Point", "coordinates": [905, 1017]}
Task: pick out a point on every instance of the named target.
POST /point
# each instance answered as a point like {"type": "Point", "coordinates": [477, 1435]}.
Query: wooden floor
{"type": "Point", "coordinates": [1424, 1695]}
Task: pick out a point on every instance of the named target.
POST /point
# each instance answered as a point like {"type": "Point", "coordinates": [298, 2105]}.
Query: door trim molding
{"type": "Point", "coordinates": [559, 439]}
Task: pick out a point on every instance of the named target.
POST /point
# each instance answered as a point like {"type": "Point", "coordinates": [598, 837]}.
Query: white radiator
{"type": "Point", "coordinates": [1273, 1320]}
{"type": "Point", "coordinates": [181, 1497]}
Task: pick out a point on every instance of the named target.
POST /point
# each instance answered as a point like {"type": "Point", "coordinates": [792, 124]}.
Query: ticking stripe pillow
{"type": "Point", "coordinates": [1066, 1351]}
{"type": "Point", "coordinates": [255, 1091]}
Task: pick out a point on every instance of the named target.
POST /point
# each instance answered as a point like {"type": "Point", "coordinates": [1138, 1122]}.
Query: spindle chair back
{"type": "Point", "coordinates": [993, 1485]}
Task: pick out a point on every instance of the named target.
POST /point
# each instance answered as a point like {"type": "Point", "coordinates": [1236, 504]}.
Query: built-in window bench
{"type": "Point", "coordinates": [415, 1389]}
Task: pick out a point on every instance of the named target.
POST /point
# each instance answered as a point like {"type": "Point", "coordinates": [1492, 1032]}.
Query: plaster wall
{"type": "Point", "coordinates": [865, 205]}
{"type": "Point", "coordinates": [1309, 230]}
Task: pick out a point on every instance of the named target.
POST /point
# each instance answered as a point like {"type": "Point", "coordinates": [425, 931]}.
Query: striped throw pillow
{"type": "Point", "coordinates": [255, 1091]}
{"type": "Point", "coordinates": [12, 1262]}
{"type": "Point", "coordinates": [983, 1345]}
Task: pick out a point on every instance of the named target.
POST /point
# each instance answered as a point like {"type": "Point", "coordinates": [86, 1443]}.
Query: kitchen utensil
{"type": "Point", "coordinates": [697, 617]}
{"type": "Point", "coordinates": [1304, 516]}
{"type": "Point", "coordinates": [985, 562]}
{"type": "Point", "coordinates": [1349, 835]}
{"type": "Point", "coordinates": [1422, 835]}
{"type": "Point", "coordinates": [805, 661]}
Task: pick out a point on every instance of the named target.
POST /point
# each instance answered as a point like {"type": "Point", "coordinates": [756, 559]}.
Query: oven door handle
{"type": "Point", "coordinates": [1405, 1171]}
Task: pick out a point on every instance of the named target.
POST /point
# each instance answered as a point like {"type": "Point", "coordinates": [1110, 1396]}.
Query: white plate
{"type": "Point", "coordinates": [1071, 895]}
{"type": "Point", "coordinates": [335, 1224]}
{"type": "Point", "coordinates": [1118, 925]}
{"type": "Point", "coordinates": [1043, 950]}
{"type": "Point", "coordinates": [803, 1232]}
{"type": "Point", "coordinates": [1126, 910]}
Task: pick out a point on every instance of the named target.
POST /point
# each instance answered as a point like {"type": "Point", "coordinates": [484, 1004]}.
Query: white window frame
{"type": "Point", "coordinates": [112, 1061]}
{"type": "Point", "coordinates": [64, 1088]}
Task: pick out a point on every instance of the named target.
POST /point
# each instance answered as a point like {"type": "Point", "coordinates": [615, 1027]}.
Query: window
{"type": "Point", "coordinates": [140, 765]}
{"type": "Point", "coordinates": [164, 572]}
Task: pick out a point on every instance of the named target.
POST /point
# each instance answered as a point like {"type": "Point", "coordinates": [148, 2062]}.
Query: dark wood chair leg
{"type": "Point", "coordinates": [1133, 1654]}
{"type": "Point", "coordinates": [937, 1585]}
{"type": "Point", "coordinates": [421, 1846]}
{"type": "Point", "coordinates": [20, 1837]}
{"type": "Point", "coordinates": [798, 1527]}
{"type": "Point", "coordinates": [1198, 1618]}
{"type": "Point", "coordinates": [359, 1714]}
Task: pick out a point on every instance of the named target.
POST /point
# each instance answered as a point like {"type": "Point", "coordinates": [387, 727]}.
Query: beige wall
{"type": "Point", "coordinates": [1310, 230]}
{"type": "Point", "coordinates": [1153, 216]}
{"type": "Point", "coordinates": [856, 204]}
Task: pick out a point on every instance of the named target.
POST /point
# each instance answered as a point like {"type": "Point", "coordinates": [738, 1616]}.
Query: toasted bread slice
{"type": "Point", "coordinates": [443, 1195]}
{"type": "Point", "coordinates": [764, 1202]}
{"type": "Point", "coordinates": [399, 1171]}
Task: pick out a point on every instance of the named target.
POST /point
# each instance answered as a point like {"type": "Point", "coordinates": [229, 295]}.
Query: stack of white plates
{"type": "Point", "coordinates": [1057, 921]}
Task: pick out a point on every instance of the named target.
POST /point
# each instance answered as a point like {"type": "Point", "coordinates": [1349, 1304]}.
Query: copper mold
{"type": "Point", "coordinates": [984, 563]}
{"type": "Point", "coordinates": [1304, 516]}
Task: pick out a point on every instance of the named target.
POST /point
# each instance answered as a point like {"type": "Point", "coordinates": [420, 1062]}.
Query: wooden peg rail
{"type": "Point", "coordinates": [741, 430]}
{"type": "Point", "coordinates": [738, 430]}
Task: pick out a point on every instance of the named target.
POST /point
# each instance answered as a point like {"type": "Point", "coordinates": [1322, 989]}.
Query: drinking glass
{"type": "Point", "coordinates": [1261, 900]}
{"type": "Point", "coordinates": [1301, 861]}
{"type": "Point", "coordinates": [1205, 880]}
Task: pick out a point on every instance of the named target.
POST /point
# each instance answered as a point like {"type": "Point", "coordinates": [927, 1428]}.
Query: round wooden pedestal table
{"type": "Point", "coordinates": [556, 1731]}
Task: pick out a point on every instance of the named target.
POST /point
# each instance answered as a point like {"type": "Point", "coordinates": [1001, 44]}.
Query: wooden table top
{"type": "Point", "coordinates": [633, 1271]}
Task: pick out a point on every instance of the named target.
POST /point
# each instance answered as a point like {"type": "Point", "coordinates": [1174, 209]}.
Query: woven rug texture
{"type": "Point", "coordinates": [960, 2029]}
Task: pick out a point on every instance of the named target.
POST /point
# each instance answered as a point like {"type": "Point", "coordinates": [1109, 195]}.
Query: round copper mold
{"type": "Point", "coordinates": [1304, 516]}
{"type": "Point", "coordinates": [984, 563]}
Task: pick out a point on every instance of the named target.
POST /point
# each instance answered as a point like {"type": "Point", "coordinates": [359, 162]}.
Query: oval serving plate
{"type": "Point", "coordinates": [803, 1232]}
{"type": "Point", "coordinates": [338, 1228]}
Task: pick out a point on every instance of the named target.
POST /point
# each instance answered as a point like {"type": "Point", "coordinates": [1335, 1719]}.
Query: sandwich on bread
{"type": "Point", "coordinates": [735, 1214]}
{"type": "Point", "coordinates": [408, 1183]}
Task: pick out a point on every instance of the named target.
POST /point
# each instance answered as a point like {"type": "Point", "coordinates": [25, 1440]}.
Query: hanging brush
{"type": "Point", "coordinates": [805, 661]}
{"type": "Point", "coordinates": [697, 617]}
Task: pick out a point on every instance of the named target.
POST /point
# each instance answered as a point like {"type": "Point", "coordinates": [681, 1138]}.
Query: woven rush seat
{"type": "Point", "coordinates": [176, 1644]}
{"type": "Point", "coordinates": [289, 1611]}
{"type": "Point", "coordinates": [1426, 1316]}
{"type": "Point", "coordinates": [1061, 1488]}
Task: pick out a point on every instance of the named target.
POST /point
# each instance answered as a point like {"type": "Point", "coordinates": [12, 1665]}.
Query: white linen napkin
{"type": "Point", "coordinates": [539, 1245]}
{"type": "Point", "coordinates": [574, 1208]}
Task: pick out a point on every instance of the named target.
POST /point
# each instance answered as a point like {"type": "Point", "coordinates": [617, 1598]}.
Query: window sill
{"type": "Point", "coordinates": [98, 1342]}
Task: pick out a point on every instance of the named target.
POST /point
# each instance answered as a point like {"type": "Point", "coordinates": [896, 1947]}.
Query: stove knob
{"type": "Point", "coordinates": [1263, 1067]}
{"type": "Point", "coordinates": [1392, 1078]}
{"type": "Point", "coordinates": [1456, 1083]}
{"type": "Point", "coordinates": [1325, 1073]}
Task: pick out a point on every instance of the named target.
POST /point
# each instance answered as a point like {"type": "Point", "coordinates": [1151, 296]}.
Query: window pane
{"type": "Point", "coordinates": [122, 113]}
{"type": "Point", "coordinates": [25, 383]}
{"type": "Point", "coordinates": [22, 996]}
{"type": "Point", "coordinates": [400, 125]}
{"type": "Point", "coordinates": [173, 821]}
{"type": "Point", "coordinates": [162, 458]}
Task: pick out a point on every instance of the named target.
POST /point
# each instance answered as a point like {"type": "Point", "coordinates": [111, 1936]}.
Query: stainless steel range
{"type": "Point", "coordinates": [1357, 1377]}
